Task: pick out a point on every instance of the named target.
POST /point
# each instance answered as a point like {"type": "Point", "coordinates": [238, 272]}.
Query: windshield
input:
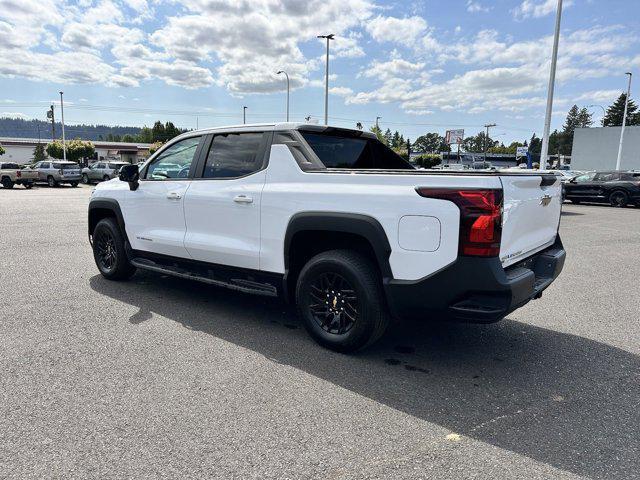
{"type": "Point", "coordinates": [336, 151]}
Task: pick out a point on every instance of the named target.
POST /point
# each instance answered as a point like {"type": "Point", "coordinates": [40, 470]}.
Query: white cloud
{"type": "Point", "coordinates": [537, 8]}
{"type": "Point", "coordinates": [406, 31]}
{"type": "Point", "coordinates": [476, 7]}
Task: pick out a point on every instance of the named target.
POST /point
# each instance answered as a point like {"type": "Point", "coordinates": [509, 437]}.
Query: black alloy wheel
{"type": "Point", "coordinates": [334, 304]}
{"type": "Point", "coordinates": [618, 199]}
{"type": "Point", "coordinates": [106, 253]}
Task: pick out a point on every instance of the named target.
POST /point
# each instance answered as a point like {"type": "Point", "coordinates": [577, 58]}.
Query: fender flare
{"type": "Point", "coordinates": [107, 204]}
{"type": "Point", "coordinates": [362, 225]}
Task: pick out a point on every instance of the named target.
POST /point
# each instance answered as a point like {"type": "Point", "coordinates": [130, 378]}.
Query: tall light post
{"type": "Point", "coordinates": [64, 148]}
{"type": "Point", "coordinates": [624, 122]}
{"type": "Point", "coordinates": [552, 82]}
{"type": "Point", "coordinates": [244, 115]}
{"type": "Point", "coordinates": [377, 126]}
{"type": "Point", "coordinates": [326, 80]}
{"type": "Point", "coordinates": [286, 75]}
{"type": "Point", "coordinates": [486, 139]}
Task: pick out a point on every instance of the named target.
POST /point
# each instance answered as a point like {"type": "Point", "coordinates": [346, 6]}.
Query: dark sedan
{"type": "Point", "coordinates": [616, 188]}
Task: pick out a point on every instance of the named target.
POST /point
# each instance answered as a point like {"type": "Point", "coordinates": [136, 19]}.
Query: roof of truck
{"type": "Point", "coordinates": [268, 127]}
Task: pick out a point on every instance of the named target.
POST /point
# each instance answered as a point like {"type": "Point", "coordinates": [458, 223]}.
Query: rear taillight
{"type": "Point", "coordinates": [480, 218]}
{"type": "Point", "coordinates": [18, 173]}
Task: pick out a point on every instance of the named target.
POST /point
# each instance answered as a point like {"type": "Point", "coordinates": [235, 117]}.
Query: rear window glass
{"type": "Point", "coordinates": [66, 166]}
{"type": "Point", "coordinates": [359, 153]}
{"type": "Point", "coordinates": [115, 165]}
{"type": "Point", "coordinates": [11, 166]}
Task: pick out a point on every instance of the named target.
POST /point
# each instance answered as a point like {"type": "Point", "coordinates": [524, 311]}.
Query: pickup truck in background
{"type": "Point", "coordinates": [334, 221]}
{"type": "Point", "coordinates": [12, 174]}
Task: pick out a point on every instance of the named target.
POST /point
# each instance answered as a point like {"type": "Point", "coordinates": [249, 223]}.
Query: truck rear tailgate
{"type": "Point", "coordinates": [532, 205]}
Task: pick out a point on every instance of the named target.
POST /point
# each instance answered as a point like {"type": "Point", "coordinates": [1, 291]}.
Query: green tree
{"type": "Point", "coordinates": [158, 133]}
{"type": "Point", "coordinates": [377, 131]}
{"type": "Point", "coordinates": [76, 149]}
{"type": "Point", "coordinates": [145, 135]}
{"type": "Point", "coordinates": [128, 138]}
{"type": "Point", "coordinates": [430, 143]}
{"type": "Point", "coordinates": [535, 145]}
{"type": "Point", "coordinates": [428, 160]}
{"type": "Point", "coordinates": [1, 150]}
{"type": "Point", "coordinates": [154, 147]}
{"type": "Point", "coordinates": [477, 143]}
{"type": "Point", "coordinates": [388, 137]}
{"type": "Point", "coordinates": [39, 153]}
{"type": "Point", "coordinates": [615, 112]}
{"type": "Point", "coordinates": [576, 118]}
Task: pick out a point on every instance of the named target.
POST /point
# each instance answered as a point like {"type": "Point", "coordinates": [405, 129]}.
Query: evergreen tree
{"type": "Point", "coordinates": [613, 117]}
{"type": "Point", "coordinates": [535, 145]}
{"type": "Point", "coordinates": [39, 153]}
{"type": "Point", "coordinates": [388, 137]}
{"type": "Point", "coordinates": [395, 140]}
{"type": "Point", "coordinates": [378, 132]}
{"type": "Point", "coordinates": [157, 132]}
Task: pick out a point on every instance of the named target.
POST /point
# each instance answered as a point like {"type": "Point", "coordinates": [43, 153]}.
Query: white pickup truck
{"type": "Point", "coordinates": [335, 221]}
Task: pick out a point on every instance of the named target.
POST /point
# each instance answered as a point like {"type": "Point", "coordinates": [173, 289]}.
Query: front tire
{"type": "Point", "coordinates": [340, 300]}
{"type": "Point", "coordinates": [109, 252]}
{"type": "Point", "coordinates": [28, 185]}
{"type": "Point", "coordinates": [618, 199]}
{"type": "Point", "coordinates": [51, 181]}
{"type": "Point", "coordinates": [85, 179]}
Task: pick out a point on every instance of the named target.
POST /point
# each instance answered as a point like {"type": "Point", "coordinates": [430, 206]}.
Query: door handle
{"type": "Point", "coordinates": [174, 196]}
{"type": "Point", "coordinates": [242, 199]}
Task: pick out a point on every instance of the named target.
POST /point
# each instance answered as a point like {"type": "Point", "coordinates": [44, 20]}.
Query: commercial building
{"type": "Point", "coordinates": [20, 150]}
{"type": "Point", "coordinates": [597, 148]}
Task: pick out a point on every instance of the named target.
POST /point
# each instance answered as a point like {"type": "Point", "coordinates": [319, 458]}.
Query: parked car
{"type": "Point", "coordinates": [617, 188]}
{"type": "Point", "coordinates": [335, 221]}
{"type": "Point", "coordinates": [101, 171]}
{"type": "Point", "coordinates": [13, 174]}
{"type": "Point", "coordinates": [58, 172]}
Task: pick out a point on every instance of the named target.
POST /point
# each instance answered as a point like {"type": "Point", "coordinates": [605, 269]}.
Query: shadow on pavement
{"type": "Point", "coordinates": [557, 398]}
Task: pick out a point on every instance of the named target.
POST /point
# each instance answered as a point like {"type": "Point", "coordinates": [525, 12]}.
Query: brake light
{"type": "Point", "coordinates": [480, 218]}
{"type": "Point", "coordinates": [18, 173]}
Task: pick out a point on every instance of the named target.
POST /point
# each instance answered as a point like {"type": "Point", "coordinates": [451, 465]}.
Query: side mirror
{"type": "Point", "coordinates": [131, 175]}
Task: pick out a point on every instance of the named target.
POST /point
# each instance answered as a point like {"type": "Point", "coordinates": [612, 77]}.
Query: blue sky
{"type": "Point", "coordinates": [422, 66]}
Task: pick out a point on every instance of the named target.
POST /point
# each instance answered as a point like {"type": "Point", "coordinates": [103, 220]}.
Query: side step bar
{"type": "Point", "coordinates": [207, 276]}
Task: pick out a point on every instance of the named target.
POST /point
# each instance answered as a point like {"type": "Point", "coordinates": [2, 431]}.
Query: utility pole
{"type": "Point", "coordinates": [624, 122]}
{"type": "Point", "coordinates": [286, 75]}
{"type": "Point", "coordinates": [326, 80]}
{"type": "Point", "coordinates": [552, 81]}
{"type": "Point", "coordinates": [244, 115]}
{"type": "Point", "coordinates": [64, 147]}
{"type": "Point", "coordinates": [377, 126]}
{"type": "Point", "coordinates": [486, 139]}
{"type": "Point", "coordinates": [53, 122]}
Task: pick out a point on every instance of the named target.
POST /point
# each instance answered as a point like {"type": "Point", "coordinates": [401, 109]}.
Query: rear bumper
{"type": "Point", "coordinates": [476, 289]}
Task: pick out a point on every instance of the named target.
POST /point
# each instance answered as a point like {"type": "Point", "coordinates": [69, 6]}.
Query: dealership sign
{"type": "Point", "coordinates": [454, 136]}
{"type": "Point", "coordinates": [522, 151]}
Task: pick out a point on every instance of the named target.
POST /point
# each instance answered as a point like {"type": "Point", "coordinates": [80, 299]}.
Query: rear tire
{"type": "Point", "coordinates": [85, 179]}
{"type": "Point", "coordinates": [51, 181]}
{"type": "Point", "coordinates": [618, 199]}
{"type": "Point", "coordinates": [109, 252]}
{"type": "Point", "coordinates": [74, 184]}
{"type": "Point", "coordinates": [7, 182]}
{"type": "Point", "coordinates": [340, 300]}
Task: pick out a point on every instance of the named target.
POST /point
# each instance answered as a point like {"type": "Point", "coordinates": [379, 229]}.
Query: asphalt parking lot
{"type": "Point", "coordinates": [160, 377]}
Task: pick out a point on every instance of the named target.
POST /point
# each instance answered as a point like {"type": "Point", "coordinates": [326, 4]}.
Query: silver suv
{"type": "Point", "coordinates": [55, 173]}
{"type": "Point", "coordinates": [100, 171]}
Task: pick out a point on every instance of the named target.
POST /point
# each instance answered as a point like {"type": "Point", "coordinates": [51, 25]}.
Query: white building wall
{"type": "Point", "coordinates": [17, 153]}
{"type": "Point", "coordinates": [597, 148]}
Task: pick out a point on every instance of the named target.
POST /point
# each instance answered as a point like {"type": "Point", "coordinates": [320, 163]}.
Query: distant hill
{"type": "Point", "coordinates": [17, 127]}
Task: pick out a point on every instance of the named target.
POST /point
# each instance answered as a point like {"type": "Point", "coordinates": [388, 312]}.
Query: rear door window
{"type": "Point", "coordinates": [607, 177]}
{"type": "Point", "coordinates": [234, 155]}
{"type": "Point", "coordinates": [354, 153]}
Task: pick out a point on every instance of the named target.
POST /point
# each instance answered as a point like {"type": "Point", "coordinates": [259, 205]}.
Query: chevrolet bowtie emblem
{"type": "Point", "coordinates": [546, 200]}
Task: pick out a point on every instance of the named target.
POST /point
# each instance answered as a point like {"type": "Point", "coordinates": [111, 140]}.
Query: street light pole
{"type": "Point", "coordinates": [244, 115]}
{"type": "Point", "coordinates": [486, 139]}
{"type": "Point", "coordinates": [552, 81]}
{"type": "Point", "coordinates": [326, 80]}
{"type": "Point", "coordinates": [377, 126]}
{"type": "Point", "coordinates": [64, 148]}
{"type": "Point", "coordinates": [286, 75]}
{"type": "Point", "coordinates": [624, 122]}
